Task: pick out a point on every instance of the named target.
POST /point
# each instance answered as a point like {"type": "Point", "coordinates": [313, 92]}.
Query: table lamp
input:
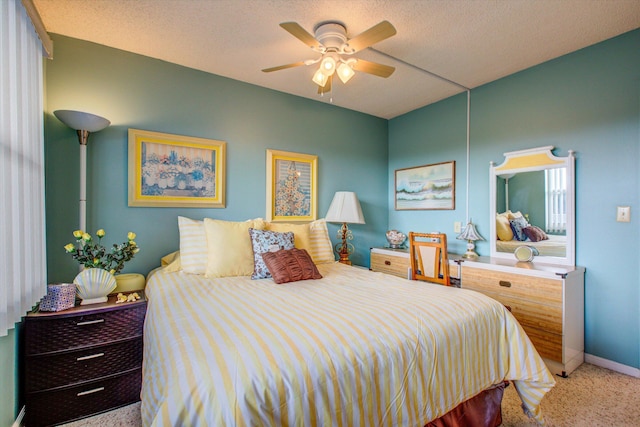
{"type": "Point", "coordinates": [471, 235]}
{"type": "Point", "coordinates": [345, 208]}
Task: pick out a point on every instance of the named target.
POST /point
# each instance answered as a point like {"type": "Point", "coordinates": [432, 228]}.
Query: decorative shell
{"type": "Point", "coordinates": [94, 284]}
{"type": "Point", "coordinates": [395, 238]}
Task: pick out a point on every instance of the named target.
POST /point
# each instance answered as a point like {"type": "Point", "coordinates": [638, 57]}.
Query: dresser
{"type": "Point", "coordinates": [397, 262]}
{"type": "Point", "coordinates": [547, 300]}
{"type": "Point", "coordinates": [81, 361]}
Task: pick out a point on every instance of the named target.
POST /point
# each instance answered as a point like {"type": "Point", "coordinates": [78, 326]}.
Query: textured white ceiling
{"type": "Point", "coordinates": [469, 42]}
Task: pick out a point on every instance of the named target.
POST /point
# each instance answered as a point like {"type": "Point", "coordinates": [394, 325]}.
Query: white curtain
{"type": "Point", "coordinates": [22, 211]}
{"type": "Point", "coordinates": [556, 200]}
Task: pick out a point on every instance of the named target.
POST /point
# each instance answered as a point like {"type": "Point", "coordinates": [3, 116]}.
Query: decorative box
{"type": "Point", "coordinates": [60, 296]}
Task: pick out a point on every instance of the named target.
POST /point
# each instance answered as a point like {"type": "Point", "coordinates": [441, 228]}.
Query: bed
{"type": "Point", "coordinates": [354, 348]}
{"type": "Point", "coordinates": [555, 245]}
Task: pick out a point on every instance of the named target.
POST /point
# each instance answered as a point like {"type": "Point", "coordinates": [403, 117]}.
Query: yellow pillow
{"type": "Point", "coordinates": [301, 237]}
{"type": "Point", "coordinates": [313, 237]}
{"type": "Point", "coordinates": [229, 247]}
{"type": "Point", "coordinates": [503, 228]}
{"type": "Point", "coordinates": [171, 262]}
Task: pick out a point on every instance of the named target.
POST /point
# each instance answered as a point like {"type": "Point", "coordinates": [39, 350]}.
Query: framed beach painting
{"type": "Point", "coordinates": [426, 187]}
{"type": "Point", "coordinates": [168, 170]}
{"type": "Point", "coordinates": [292, 192]}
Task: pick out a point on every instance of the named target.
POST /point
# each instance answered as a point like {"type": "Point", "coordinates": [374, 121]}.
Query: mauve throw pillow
{"type": "Point", "coordinates": [535, 233]}
{"type": "Point", "coordinates": [290, 265]}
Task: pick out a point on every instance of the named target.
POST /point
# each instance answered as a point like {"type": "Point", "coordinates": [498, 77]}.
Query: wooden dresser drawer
{"type": "Point", "coordinates": [390, 263]}
{"type": "Point", "coordinates": [539, 289]}
{"type": "Point", "coordinates": [70, 403]}
{"type": "Point", "coordinates": [50, 335]}
{"type": "Point", "coordinates": [548, 345]}
{"type": "Point", "coordinates": [530, 313]}
{"type": "Point", "coordinates": [82, 365]}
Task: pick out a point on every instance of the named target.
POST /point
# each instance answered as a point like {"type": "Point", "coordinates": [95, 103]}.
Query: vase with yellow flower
{"type": "Point", "coordinates": [99, 264]}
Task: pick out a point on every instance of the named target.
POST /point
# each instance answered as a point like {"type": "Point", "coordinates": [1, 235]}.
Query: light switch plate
{"type": "Point", "coordinates": [624, 214]}
{"type": "Point", "coordinates": [457, 227]}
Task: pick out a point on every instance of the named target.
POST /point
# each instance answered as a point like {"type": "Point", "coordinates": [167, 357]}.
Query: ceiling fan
{"type": "Point", "coordinates": [335, 48]}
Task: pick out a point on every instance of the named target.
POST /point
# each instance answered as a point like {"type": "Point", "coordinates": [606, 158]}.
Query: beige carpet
{"type": "Point", "coordinates": [591, 396]}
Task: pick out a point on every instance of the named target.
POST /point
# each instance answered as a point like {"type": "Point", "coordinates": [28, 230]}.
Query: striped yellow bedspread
{"type": "Point", "coordinates": [356, 348]}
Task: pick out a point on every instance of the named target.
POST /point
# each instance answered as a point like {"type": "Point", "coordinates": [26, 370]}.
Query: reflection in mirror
{"type": "Point", "coordinates": [541, 198]}
{"type": "Point", "coordinates": [532, 201]}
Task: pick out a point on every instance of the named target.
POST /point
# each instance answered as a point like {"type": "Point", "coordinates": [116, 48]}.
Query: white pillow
{"type": "Point", "coordinates": [193, 246]}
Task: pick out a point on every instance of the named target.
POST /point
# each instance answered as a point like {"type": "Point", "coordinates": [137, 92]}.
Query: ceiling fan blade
{"type": "Point", "coordinates": [373, 35]}
{"type": "Point", "coordinates": [327, 86]}
{"type": "Point", "coordinates": [301, 34]}
{"type": "Point", "coordinates": [374, 68]}
{"type": "Point", "coordinates": [283, 67]}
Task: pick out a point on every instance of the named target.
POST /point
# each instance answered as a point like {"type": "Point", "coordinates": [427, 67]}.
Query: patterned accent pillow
{"type": "Point", "coordinates": [517, 226]}
{"type": "Point", "coordinates": [290, 265]}
{"type": "Point", "coordinates": [535, 233]}
{"type": "Point", "coordinates": [267, 241]}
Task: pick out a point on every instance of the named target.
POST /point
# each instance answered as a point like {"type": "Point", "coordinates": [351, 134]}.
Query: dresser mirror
{"type": "Point", "coordinates": [533, 204]}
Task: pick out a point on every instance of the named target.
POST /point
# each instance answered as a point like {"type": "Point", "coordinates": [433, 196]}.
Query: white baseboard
{"type": "Point", "coordinates": [610, 364]}
{"type": "Point", "coordinates": [18, 421]}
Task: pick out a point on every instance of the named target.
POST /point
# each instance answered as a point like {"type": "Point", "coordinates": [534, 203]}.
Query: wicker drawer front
{"type": "Point", "coordinates": [540, 290]}
{"type": "Point", "coordinates": [54, 407]}
{"type": "Point", "coordinates": [396, 265]}
{"type": "Point", "coordinates": [65, 333]}
{"type": "Point", "coordinates": [82, 365]}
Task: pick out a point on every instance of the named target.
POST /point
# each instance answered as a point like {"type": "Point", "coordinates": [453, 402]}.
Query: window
{"type": "Point", "coordinates": [22, 211]}
{"type": "Point", "coordinates": [556, 200]}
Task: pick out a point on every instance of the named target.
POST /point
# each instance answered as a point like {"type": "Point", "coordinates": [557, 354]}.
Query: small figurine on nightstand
{"type": "Point", "coordinates": [396, 239]}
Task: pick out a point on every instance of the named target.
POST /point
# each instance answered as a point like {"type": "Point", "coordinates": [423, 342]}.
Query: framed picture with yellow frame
{"type": "Point", "coordinates": [292, 191]}
{"type": "Point", "coordinates": [168, 170]}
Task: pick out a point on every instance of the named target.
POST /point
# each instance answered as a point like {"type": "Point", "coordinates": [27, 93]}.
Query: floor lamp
{"type": "Point", "coordinates": [84, 124]}
{"type": "Point", "coordinates": [345, 208]}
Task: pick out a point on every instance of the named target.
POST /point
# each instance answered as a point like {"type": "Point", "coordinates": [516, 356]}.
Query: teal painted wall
{"type": "Point", "coordinates": [134, 91]}
{"type": "Point", "coordinates": [8, 378]}
{"type": "Point", "coordinates": [587, 101]}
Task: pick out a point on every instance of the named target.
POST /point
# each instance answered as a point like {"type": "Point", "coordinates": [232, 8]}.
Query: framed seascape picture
{"type": "Point", "coordinates": [291, 186]}
{"type": "Point", "coordinates": [426, 187]}
{"type": "Point", "coordinates": [175, 171]}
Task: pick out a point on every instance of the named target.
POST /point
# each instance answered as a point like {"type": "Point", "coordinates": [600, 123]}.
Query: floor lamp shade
{"type": "Point", "coordinates": [84, 124]}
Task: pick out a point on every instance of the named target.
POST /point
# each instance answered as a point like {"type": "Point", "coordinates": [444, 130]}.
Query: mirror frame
{"type": "Point", "coordinates": [535, 159]}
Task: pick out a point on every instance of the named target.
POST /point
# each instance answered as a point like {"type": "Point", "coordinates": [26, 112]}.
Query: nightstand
{"type": "Point", "coordinates": [391, 261]}
{"type": "Point", "coordinates": [397, 263]}
{"type": "Point", "coordinates": [81, 361]}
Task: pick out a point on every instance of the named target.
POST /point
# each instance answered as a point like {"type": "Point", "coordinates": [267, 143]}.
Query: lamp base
{"type": "Point", "coordinates": [470, 255]}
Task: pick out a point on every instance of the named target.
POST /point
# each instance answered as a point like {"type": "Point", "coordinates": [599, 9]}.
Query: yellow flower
{"type": "Point", "coordinates": [96, 261]}
{"type": "Point", "coordinates": [78, 234]}
{"type": "Point", "coordinates": [69, 248]}
{"type": "Point", "coordinates": [100, 233]}
{"type": "Point", "coordinates": [112, 271]}
{"type": "Point", "coordinates": [132, 243]}
{"type": "Point", "coordinates": [131, 235]}
{"type": "Point", "coordinates": [86, 237]}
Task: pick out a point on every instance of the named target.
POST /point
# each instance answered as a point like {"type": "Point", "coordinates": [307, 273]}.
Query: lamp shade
{"type": "Point", "coordinates": [470, 233]}
{"type": "Point", "coordinates": [345, 207]}
{"type": "Point", "coordinates": [82, 121]}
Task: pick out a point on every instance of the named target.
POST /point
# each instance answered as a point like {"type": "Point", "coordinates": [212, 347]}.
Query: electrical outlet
{"type": "Point", "coordinates": [624, 214]}
{"type": "Point", "coordinates": [457, 227]}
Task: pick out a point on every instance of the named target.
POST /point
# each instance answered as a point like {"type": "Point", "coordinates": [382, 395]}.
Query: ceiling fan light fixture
{"type": "Point", "coordinates": [320, 78]}
{"type": "Point", "coordinates": [345, 72]}
{"type": "Point", "coordinates": [328, 65]}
